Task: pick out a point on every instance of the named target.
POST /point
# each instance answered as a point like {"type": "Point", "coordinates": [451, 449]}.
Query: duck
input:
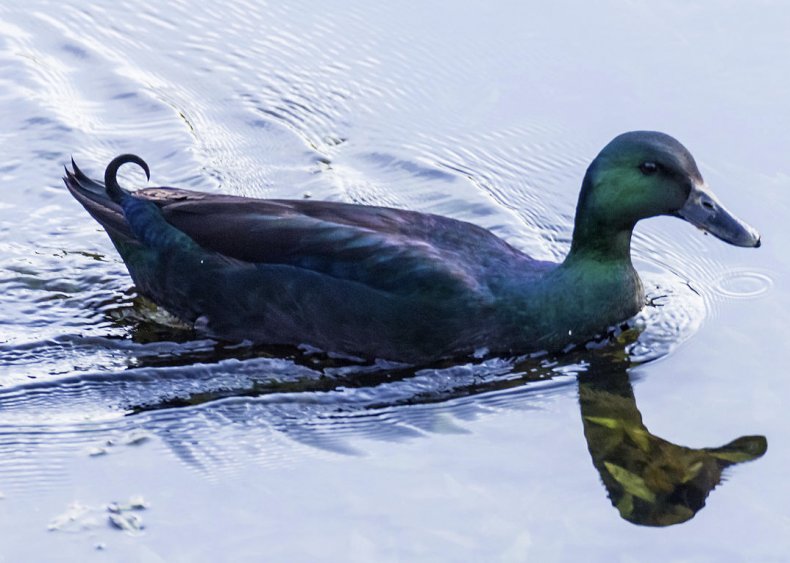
{"type": "Point", "coordinates": [392, 284]}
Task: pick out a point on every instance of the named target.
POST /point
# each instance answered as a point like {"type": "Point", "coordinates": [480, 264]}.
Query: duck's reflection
{"type": "Point", "coordinates": [650, 481]}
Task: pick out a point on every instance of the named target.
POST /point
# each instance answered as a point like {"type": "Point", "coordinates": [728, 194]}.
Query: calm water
{"type": "Point", "coordinates": [486, 112]}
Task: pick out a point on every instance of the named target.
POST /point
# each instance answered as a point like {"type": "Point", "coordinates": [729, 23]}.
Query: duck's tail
{"type": "Point", "coordinates": [96, 200]}
{"type": "Point", "coordinates": [105, 202]}
{"type": "Point", "coordinates": [129, 219]}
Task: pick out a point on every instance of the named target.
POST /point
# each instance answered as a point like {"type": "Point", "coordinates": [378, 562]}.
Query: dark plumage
{"type": "Point", "coordinates": [395, 284]}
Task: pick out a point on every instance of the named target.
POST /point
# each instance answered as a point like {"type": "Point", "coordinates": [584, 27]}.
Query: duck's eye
{"type": "Point", "coordinates": [648, 168]}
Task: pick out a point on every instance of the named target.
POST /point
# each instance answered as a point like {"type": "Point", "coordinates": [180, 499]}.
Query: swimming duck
{"type": "Point", "coordinates": [376, 282]}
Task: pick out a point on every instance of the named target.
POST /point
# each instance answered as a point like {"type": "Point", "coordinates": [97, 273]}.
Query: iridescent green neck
{"type": "Point", "coordinates": [599, 233]}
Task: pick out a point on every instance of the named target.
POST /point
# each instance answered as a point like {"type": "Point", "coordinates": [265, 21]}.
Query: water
{"type": "Point", "coordinates": [487, 113]}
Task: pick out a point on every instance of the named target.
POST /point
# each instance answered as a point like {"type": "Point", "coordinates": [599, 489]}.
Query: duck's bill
{"type": "Point", "coordinates": [703, 210]}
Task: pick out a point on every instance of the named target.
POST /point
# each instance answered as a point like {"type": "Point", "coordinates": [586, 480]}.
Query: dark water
{"type": "Point", "coordinates": [483, 112]}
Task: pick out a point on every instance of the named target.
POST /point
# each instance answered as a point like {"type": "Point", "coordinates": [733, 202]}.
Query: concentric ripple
{"type": "Point", "coordinates": [743, 284]}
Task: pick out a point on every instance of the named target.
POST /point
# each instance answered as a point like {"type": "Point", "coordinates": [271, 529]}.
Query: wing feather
{"type": "Point", "coordinates": [401, 252]}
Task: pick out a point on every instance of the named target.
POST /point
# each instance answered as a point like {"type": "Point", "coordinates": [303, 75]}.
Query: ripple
{"type": "Point", "coordinates": [744, 284]}
{"type": "Point", "coordinates": [215, 424]}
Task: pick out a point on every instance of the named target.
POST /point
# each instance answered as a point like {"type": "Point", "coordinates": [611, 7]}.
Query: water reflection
{"type": "Point", "coordinates": [650, 481]}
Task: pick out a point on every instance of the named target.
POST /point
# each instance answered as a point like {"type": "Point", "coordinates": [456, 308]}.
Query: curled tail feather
{"type": "Point", "coordinates": [115, 191]}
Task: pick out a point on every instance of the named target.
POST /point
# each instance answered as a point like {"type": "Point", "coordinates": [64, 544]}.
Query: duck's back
{"type": "Point", "coordinates": [393, 250]}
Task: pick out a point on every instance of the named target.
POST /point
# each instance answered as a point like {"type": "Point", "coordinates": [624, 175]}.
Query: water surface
{"type": "Point", "coordinates": [487, 113]}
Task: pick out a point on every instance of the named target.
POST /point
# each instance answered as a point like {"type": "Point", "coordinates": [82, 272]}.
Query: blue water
{"type": "Point", "coordinates": [484, 112]}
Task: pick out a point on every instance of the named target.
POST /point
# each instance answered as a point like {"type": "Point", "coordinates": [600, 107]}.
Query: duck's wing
{"type": "Point", "coordinates": [396, 251]}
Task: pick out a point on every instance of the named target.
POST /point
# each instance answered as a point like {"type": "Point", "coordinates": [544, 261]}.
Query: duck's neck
{"type": "Point", "coordinates": [598, 236]}
{"type": "Point", "coordinates": [594, 242]}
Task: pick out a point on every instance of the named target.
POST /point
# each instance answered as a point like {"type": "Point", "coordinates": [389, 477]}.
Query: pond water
{"type": "Point", "coordinates": [123, 437]}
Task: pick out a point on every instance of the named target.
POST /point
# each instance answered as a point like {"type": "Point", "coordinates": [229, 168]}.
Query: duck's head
{"type": "Point", "coordinates": [643, 174]}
